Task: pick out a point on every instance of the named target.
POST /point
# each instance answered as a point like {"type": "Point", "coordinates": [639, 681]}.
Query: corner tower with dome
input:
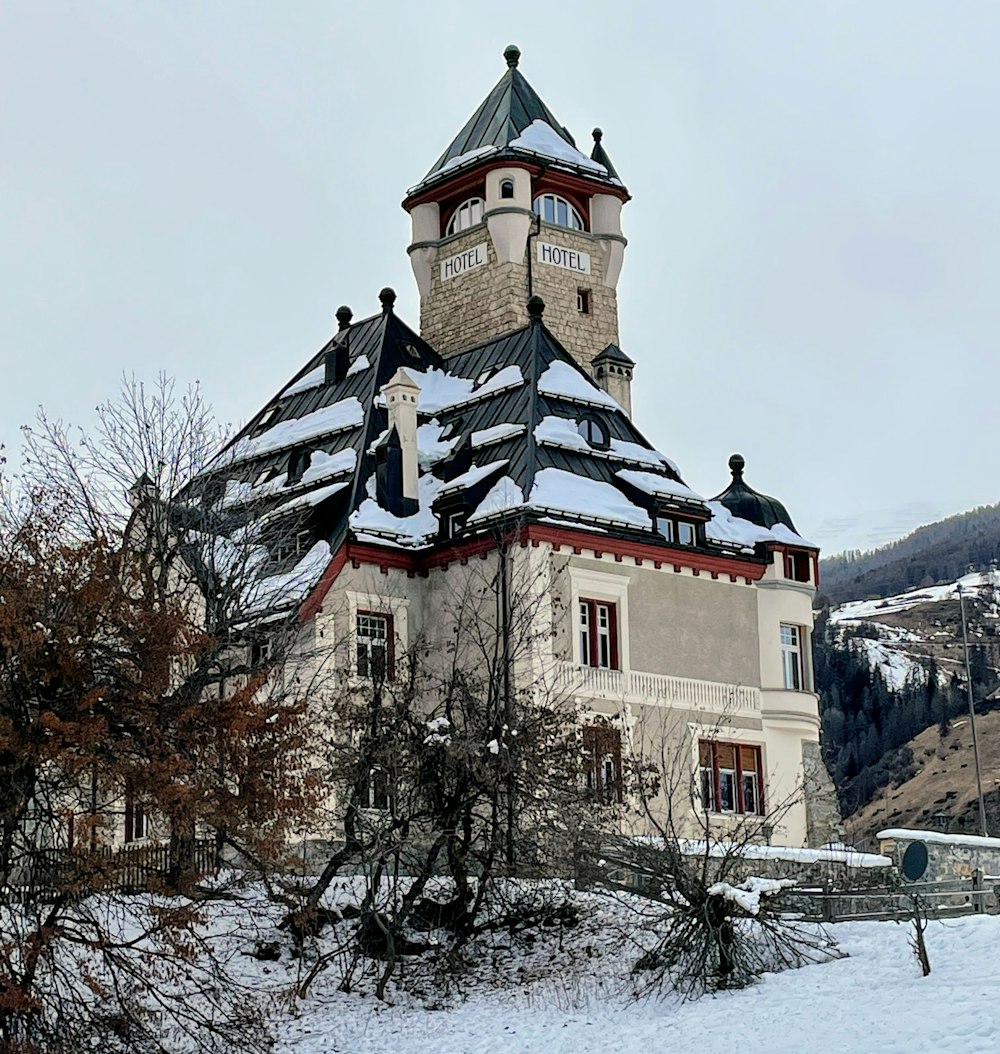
{"type": "Point", "coordinates": [396, 456]}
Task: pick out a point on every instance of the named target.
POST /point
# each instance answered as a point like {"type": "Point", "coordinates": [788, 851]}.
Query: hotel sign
{"type": "Point", "coordinates": [458, 264]}
{"type": "Point", "coordinates": [567, 259]}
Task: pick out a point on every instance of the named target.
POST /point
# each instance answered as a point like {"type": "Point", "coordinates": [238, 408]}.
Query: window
{"type": "Point", "coordinates": [791, 657]}
{"type": "Point", "coordinates": [583, 301]}
{"type": "Point", "coordinates": [557, 210]}
{"type": "Point", "coordinates": [467, 215]}
{"type": "Point", "coordinates": [602, 748]}
{"type": "Point", "coordinates": [298, 462]}
{"type": "Point", "coordinates": [290, 546]}
{"type": "Point", "coordinates": [374, 646]}
{"type": "Point", "coordinates": [261, 651]}
{"type": "Point", "coordinates": [797, 566]}
{"type": "Point", "coordinates": [136, 821]}
{"type": "Point", "coordinates": [594, 432]}
{"type": "Point", "coordinates": [507, 188]}
{"type": "Point", "coordinates": [375, 794]}
{"type": "Point", "coordinates": [730, 776]}
{"type": "Point", "coordinates": [676, 531]}
{"type": "Point", "coordinates": [453, 524]}
{"type": "Point", "coordinates": [265, 476]}
{"type": "Point", "coordinates": [598, 634]}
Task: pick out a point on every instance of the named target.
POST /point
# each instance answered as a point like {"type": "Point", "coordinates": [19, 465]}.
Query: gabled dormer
{"type": "Point", "coordinates": [511, 209]}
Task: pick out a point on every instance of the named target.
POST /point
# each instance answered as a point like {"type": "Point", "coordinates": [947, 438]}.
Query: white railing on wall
{"type": "Point", "coordinates": [634, 686]}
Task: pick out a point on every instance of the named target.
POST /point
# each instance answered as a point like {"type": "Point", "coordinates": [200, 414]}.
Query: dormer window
{"type": "Point", "coordinates": [594, 432]}
{"type": "Point", "coordinates": [467, 215]}
{"type": "Point", "coordinates": [557, 210]}
{"type": "Point", "coordinates": [298, 462]}
{"type": "Point", "coordinates": [488, 374]}
{"type": "Point", "coordinates": [797, 565]}
{"type": "Point", "coordinates": [507, 188]}
{"type": "Point", "coordinates": [675, 531]}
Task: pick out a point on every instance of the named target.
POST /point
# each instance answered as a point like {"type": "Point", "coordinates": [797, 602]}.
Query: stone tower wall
{"type": "Point", "coordinates": [489, 299]}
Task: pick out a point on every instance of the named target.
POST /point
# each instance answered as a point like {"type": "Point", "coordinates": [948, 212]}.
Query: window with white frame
{"type": "Point", "coordinates": [467, 215]}
{"type": "Point", "coordinates": [598, 629]}
{"type": "Point", "coordinates": [731, 777]}
{"type": "Point", "coordinates": [791, 657]}
{"type": "Point", "coordinates": [136, 820]}
{"type": "Point", "coordinates": [555, 209]}
{"type": "Point", "coordinates": [374, 645]}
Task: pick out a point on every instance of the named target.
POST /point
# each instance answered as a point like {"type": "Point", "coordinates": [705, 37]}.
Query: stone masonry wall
{"type": "Point", "coordinates": [492, 299]}
{"type": "Point", "coordinates": [823, 820]}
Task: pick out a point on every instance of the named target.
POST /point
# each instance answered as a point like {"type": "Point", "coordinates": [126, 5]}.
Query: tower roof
{"type": "Point", "coordinates": [514, 120]}
{"type": "Point", "coordinates": [748, 504]}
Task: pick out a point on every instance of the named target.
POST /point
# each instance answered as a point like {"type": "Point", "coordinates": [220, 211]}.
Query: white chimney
{"type": "Point", "coordinates": [402, 397]}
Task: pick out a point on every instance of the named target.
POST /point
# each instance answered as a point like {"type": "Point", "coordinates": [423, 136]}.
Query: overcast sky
{"type": "Point", "coordinates": [813, 266]}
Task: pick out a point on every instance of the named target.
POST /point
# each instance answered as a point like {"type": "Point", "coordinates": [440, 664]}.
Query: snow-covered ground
{"type": "Point", "coordinates": [872, 1001]}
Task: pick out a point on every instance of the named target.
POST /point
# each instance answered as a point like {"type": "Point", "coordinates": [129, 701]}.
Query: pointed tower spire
{"type": "Point", "coordinates": [513, 208]}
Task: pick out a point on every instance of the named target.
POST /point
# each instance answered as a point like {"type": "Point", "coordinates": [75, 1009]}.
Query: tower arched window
{"type": "Point", "coordinates": [554, 208]}
{"type": "Point", "coordinates": [467, 215]}
{"type": "Point", "coordinates": [507, 188]}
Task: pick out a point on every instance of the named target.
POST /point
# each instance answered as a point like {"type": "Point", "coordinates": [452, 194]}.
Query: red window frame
{"type": "Point", "coordinates": [601, 744]}
{"type": "Point", "coordinates": [797, 565]}
{"type": "Point", "coordinates": [390, 645]}
{"type": "Point", "coordinates": [709, 756]}
{"type": "Point", "coordinates": [592, 655]}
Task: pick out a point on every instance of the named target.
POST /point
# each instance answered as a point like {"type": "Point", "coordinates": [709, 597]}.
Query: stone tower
{"type": "Point", "coordinates": [513, 209]}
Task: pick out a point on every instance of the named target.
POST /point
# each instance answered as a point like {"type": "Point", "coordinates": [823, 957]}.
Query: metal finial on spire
{"type": "Point", "coordinates": [736, 465]}
{"type": "Point", "coordinates": [344, 316]}
{"type": "Point", "coordinates": [512, 53]}
{"type": "Point", "coordinates": [536, 307]}
{"type": "Point", "coordinates": [597, 135]}
{"type": "Point", "coordinates": [387, 298]}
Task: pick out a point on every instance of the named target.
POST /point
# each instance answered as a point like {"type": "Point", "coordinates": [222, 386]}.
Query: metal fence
{"type": "Point", "coordinates": [978, 894]}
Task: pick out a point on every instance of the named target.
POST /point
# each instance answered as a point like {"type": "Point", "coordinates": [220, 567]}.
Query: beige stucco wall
{"type": "Point", "coordinates": [678, 624]}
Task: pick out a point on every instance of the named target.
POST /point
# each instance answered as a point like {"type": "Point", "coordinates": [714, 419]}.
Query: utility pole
{"type": "Point", "coordinates": [972, 715]}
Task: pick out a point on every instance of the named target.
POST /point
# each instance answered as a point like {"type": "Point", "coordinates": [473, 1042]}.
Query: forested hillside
{"type": "Point", "coordinates": [936, 553]}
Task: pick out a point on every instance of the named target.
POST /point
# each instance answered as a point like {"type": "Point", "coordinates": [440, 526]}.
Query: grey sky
{"type": "Point", "coordinates": [813, 255]}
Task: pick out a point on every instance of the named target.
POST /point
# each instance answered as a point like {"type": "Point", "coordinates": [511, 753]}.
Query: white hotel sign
{"type": "Point", "coordinates": [568, 259]}
{"type": "Point", "coordinates": [461, 262]}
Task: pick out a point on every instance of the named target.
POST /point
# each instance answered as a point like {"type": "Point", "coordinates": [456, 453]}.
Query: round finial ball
{"type": "Point", "coordinates": [388, 298]}
{"type": "Point", "coordinates": [597, 135]}
{"type": "Point", "coordinates": [512, 53]}
{"type": "Point", "coordinates": [737, 464]}
{"type": "Point", "coordinates": [536, 306]}
{"type": "Point", "coordinates": [344, 316]}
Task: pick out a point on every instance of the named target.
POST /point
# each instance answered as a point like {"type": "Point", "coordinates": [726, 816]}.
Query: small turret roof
{"type": "Point", "coordinates": [612, 353]}
{"type": "Point", "coordinates": [600, 155]}
{"type": "Point", "coordinates": [748, 504]}
{"type": "Point", "coordinates": [513, 118]}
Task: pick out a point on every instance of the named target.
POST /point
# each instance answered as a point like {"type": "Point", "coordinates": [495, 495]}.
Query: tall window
{"type": "Point", "coordinates": [602, 748]}
{"type": "Point", "coordinates": [467, 215]}
{"type": "Point", "coordinates": [598, 634]}
{"type": "Point", "coordinates": [373, 634]}
{"type": "Point", "coordinates": [791, 657]}
{"type": "Point", "coordinates": [375, 794]}
{"type": "Point", "coordinates": [136, 821]}
{"type": "Point", "coordinates": [731, 777]}
{"type": "Point", "coordinates": [555, 209]}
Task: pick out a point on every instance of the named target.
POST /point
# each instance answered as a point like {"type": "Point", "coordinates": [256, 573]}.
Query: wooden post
{"type": "Point", "coordinates": [827, 903]}
{"type": "Point", "coordinates": [977, 887]}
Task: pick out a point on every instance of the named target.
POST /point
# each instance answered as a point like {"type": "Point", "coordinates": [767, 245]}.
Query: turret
{"type": "Point", "coordinates": [513, 209]}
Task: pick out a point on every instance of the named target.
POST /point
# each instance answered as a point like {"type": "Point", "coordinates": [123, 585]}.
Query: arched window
{"type": "Point", "coordinates": [507, 188]}
{"type": "Point", "coordinates": [467, 215]}
{"type": "Point", "coordinates": [555, 209]}
{"type": "Point", "coordinates": [594, 432]}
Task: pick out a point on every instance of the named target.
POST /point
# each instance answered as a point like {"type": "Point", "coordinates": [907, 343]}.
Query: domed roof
{"type": "Point", "coordinates": [743, 501]}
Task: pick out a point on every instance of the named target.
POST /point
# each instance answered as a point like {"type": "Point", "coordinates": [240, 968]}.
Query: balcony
{"type": "Point", "coordinates": [656, 689]}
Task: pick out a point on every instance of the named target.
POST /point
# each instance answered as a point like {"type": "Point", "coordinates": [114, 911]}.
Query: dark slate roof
{"type": "Point", "coordinates": [600, 155]}
{"type": "Point", "coordinates": [612, 353]}
{"type": "Point", "coordinates": [743, 501]}
{"type": "Point", "coordinates": [501, 118]}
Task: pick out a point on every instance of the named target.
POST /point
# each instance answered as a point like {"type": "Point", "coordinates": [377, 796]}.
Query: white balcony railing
{"type": "Point", "coordinates": [656, 689]}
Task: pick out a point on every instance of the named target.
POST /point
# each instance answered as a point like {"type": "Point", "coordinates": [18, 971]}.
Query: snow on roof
{"type": "Point", "coordinates": [496, 434]}
{"type": "Point", "coordinates": [360, 363]}
{"type": "Point", "coordinates": [462, 159]}
{"type": "Point", "coordinates": [327, 419]}
{"type": "Point", "coordinates": [323, 465]}
{"type": "Point", "coordinates": [727, 528]}
{"type": "Point", "coordinates": [566, 382]}
{"type": "Point", "coordinates": [473, 476]}
{"type": "Point", "coordinates": [313, 379]}
{"type": "Point", "coordinates": [564, 432]}
{"type": "Point", "coordinates": [431, 448]}
{"type": "Point", "coordinates": [289, 587]}
{"type": "Point", "coordinates": [541, 138]}
{"type": "Point", "coordinates": [560, 491]}
{"type": "Point", "coordinates": [371, 518]}
{"type": "Point", "coordinates": [305, 501]}
{"type": "Point", "coordinates": [904, 834]}
{"type": "Point", "coordinates": [506, 494]}
{"type": "Point", "coordinates": [659, 486]}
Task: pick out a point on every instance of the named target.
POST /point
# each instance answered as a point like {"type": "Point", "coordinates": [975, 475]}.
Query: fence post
{"type": "Point", "coordinates": [827, 903]}
{"type": "Point", "coordinates": [977, 887]}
